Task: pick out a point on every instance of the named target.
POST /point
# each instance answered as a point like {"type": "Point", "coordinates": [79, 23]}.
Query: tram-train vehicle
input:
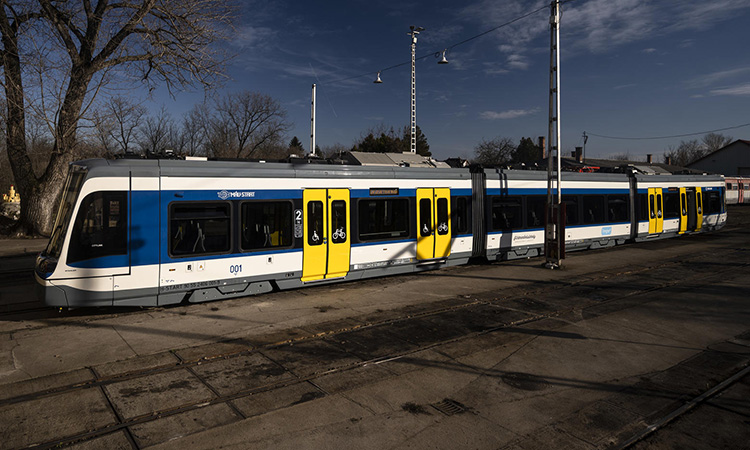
{"type": "Point", "coordinates": [162, 231]}
{"type": "Point", "coordinates": [738, 190]}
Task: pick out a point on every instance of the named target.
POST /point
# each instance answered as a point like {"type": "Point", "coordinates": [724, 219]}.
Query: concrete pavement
{"type": "Point", "coordinates": [491, 356]}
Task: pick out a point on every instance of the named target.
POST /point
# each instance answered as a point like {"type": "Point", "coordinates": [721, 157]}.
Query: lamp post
{"type": "Point", "coordinates": [413, 33]}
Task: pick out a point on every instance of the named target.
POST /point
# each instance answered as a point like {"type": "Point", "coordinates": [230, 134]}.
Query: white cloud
{"type": "Point", "coordinates": [625, 86]}
{"type": "Point", "coordinates": [710, 79]}
{"type": "Point", "coordinates": [509, 114]}
{"type": "Point", "coordinates": [599, 26]}
{"type": "Point", "coordinates": [741, 89]}
{"type": "Point", "coordinates": [516, 61]}
{"type": "Point", "coordinates": [250, 36]}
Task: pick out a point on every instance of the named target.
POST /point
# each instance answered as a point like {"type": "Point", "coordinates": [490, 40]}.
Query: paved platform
{"type": "Point", "coordinates": [492, 356]}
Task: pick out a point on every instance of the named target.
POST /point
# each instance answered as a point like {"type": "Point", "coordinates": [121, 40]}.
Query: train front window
{"type": "Point", "coordinates": [199, 228]}
{"type": "Point", "coordinates": [101, 227]}
{"type": "Point", "coordinates": [65, 212]}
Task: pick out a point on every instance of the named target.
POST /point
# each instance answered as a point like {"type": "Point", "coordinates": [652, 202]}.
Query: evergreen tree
{"type": "Point", "coordinates": [295, 146]}
{"type": "Point", "coordinates": [423, 148]}
{"type": "Point", "coordinates": [527, 152]}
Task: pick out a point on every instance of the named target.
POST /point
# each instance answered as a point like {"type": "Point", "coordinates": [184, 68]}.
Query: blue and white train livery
{"type": "Point", "coordinates": [159, 232]}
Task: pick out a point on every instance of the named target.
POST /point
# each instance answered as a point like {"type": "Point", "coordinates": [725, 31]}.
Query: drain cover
{"type": "Point", "coordinates": [524, 381]}
{"type": "Point", "coordinates": [449, 407]}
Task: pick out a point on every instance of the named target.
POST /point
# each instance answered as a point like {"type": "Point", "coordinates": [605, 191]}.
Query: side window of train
{"type": "Point", "coordinates": [617, 208]}
{"type": "Point", "coordinates": [101, 227]}
{"type": "Point", "coordinates": [199, 228]}
{"type": "Point", "coordinates": [383, 218]}
{"type": "Point", "coordinates": [507, 213]}
{"type": "Point", "coordinates": [266, 225]}
{"type": "Point", "coordinates": [535, 211]}
{"type": "Point", "coordinates": [671, 205]}
{"type": "Point", "coordinates": [593, 209]}
{"type": "Point", "coordinates": [572, 215]}
{"type": "Point", "coordinates": [461, 216]}
{"type": "Point", "coordinates": [643, 210]}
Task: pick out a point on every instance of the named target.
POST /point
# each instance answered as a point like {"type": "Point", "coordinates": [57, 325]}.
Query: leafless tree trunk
{"type": "Point", "coordinates": [150, 41]}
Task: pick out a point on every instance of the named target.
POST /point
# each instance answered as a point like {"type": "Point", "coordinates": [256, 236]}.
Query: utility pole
{"type": "Point", "coordinates": [312, 122]}
{"type": "Point", "coordinates": [585, 139]}
{"type": "Point", "coordinates": [554, 234]}
{"type": "Point", "coordinates": [413, 33]}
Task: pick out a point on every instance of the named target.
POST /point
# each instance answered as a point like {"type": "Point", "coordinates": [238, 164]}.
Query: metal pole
{"type": "Point", "coordinates": [554, 241]}
{"type": "Point", "coordinates": [585, 138]}
{"type": "Point", "coordinates": [414, 32]}
{"type": "Point", "coordinates": [312, 122]}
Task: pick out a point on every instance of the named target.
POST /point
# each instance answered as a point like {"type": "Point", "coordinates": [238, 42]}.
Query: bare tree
{"type": "Point", "coordinates": [195, 126]}
{"type": "Point", "coordinates": [715, 141]}
{"type": "Point", "coordinates": [149, 41]}
{"type": "Point", "coordinates": [116, 125]}
{"type": "Point", "coordinates": [623, 156]}
{"type": "Point", "coordinates": [494, 152]}
{"type": "Point", "coordinates": [248, 122]}
{"type": "Point", "coordinates": [685, 153]}
{"type": "Point", "coordinates": [154, 133]}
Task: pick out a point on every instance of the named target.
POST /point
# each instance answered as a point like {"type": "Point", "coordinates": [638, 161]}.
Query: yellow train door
{"type": "Point", "coordinates": [327, 243]}
{"type": "Point", "coordinates": [656, 211]}
{"type": "Point", "coordinates": [434, 223]}
{"type": "Point", "coordinates": [683, 210]}
{"type": "Point", "coordinates": [699, 207]}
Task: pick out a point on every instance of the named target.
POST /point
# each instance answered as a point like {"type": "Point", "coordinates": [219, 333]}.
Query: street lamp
{"type": "Point", "coordinates": [413, 33]}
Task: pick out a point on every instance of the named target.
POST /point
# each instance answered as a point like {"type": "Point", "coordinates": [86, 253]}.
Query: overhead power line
{"type": "Point", "coordinates": [450, 47]}
{"type": "Point", "coordinates": [666, 137]}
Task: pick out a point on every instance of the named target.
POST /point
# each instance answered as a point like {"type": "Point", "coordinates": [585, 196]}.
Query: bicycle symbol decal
{"type": "Point", "coordinates": [339, 234]}
{"type": "Point", "coordinates": [443, 228]}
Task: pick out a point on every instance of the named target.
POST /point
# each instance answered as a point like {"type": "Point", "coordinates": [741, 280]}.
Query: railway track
{"type": "Point", "coordinates": [404, 335]}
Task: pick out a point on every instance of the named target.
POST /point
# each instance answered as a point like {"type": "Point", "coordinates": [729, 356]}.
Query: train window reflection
{"type": "Point", "coordinates": [535, 205]}
{"type": "Point", "coordinates": [266, 225]}
{"type": "Point", "coordinates": [338, 222]}
{"type": "Point", "coordinates": [315, 218]}
{"type": "Point", "coordinates": [442, 216]}
{"type": "Point", "coordinates": [572, 213]}
{"type": "Point", "coordinates": [593, 208]}
{"type": "Point", "coordinates": [199, 228]}
{"type": "Point", "coordinates": [671, 205]}
{"type": "Point", "coordinates": [506, 213]}
{"type": "Point", "coordinates": [618, 208]}
{"type": "Point", "coordinates": [425, 217]}
{"type": "Point", "coordinates": [383, 219]}
{"type": "Point", "coordinates": [461, 216]}
{"type": "Point", "coordinates": [101, 227]}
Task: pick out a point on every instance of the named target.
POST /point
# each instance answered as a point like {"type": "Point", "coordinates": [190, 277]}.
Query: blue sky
{"type": "Point", "coordinates": [631, 68]}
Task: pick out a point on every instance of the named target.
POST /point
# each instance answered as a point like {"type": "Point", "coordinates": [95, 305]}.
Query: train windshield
{"type": "Point", "coordinates": [70, 194]}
